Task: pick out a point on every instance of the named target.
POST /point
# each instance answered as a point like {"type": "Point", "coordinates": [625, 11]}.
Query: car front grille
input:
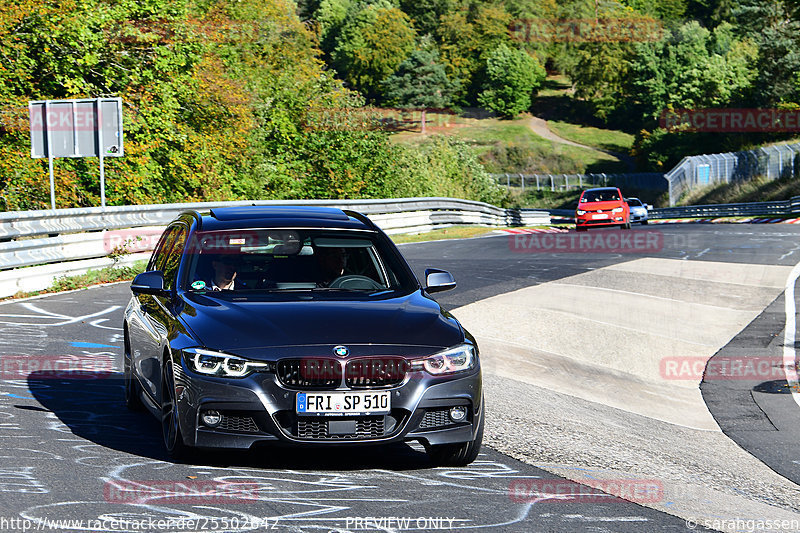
{"type": "Point", "coordinates": [375, 372]}
{"type": "Point", "coordinates": [366, 427]}
{"type": "Point", "coordinates": [309, 373]}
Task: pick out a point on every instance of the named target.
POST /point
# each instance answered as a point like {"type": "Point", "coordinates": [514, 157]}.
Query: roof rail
{"type": "Point", "coordinates": [360, 217]}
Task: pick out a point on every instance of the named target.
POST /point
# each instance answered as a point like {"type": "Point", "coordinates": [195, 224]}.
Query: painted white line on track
{"type": "Point", "coordinates": [789, 335]}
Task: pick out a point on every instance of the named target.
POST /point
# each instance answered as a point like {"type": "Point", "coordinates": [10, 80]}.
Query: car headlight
{"type": "Point", "coordinates": [580, 212]}
{"type": "Point", "coordinates": [450, 361]}
{"type": "Point", "coordinates": [211, 363]}
{"type": "Point", "coordinates": [617, 210]}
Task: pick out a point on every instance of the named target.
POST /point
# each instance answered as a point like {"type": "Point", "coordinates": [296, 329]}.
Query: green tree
{"type": "Point", "coordinates": [466, 37]}
{"type": "Point", "coordinates": [374, 40]}
{"type": "Point", "coordinates": [663, 9]}
{"type": "Point", "coordinates": [692, 68]}
{"type": "Point", "coordinates": [425, 13]}
{"type": "Point", "coordinates": [512, 76]}
{"type": "Point", "coordinates": [420, 81]}
{"type": "Point", "coordinates": [775, 27]}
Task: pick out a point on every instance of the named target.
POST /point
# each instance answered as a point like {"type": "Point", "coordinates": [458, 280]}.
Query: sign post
{"type": "Point", "coordinates": [76, 128]}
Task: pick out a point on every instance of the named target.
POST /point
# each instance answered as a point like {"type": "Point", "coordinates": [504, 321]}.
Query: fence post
{"type": "Point", "coordinates": [580, 181]}
{"type": "Point", "coordinates": [522, 181]}
{"type": "Point", "coordinates": [508, 180]}
{"type": "Point", "coordinates": [566, 182]}
{"type": "Point", "coordinates": [552, 184]}
{"type": "Point", "coordinates": [537, 181]}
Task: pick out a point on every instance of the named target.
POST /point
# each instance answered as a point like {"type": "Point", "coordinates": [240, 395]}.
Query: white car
{"type": "Point", "coordinates": [638, 210]}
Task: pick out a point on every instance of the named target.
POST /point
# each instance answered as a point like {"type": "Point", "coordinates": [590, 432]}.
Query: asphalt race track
{"type": "Point", "coordinates": [70, 451]}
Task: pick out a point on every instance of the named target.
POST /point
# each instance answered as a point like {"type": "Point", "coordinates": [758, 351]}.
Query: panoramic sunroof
{"type": "Point", "coordinates": [257, 211]}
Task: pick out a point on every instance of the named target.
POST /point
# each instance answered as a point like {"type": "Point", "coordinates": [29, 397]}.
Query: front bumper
{"type": "Point", "coordinates": [259, 409]}
{"type": "Point", "coordinates": [587, 220]}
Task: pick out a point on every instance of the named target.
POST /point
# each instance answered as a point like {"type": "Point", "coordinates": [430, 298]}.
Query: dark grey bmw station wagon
{"type": "Point", "coordinates": [302, 325]}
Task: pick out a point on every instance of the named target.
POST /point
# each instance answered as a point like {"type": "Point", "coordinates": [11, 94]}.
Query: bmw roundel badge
{"type": "Point", "coordinates": [341, 351]}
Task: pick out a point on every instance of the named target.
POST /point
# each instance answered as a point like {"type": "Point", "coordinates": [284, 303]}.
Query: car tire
{"type": "Point", "coordinates": [627, 225]}
{"type": "Point", "coordinates": [170, 426]}
{"type": "Point", "coordinates": [459, 454]}
{"type": "Point", "coordinates": [644, 222]}
{"type": "Point", "coordinates": [133, 400]}
{"type": "Point", "coordinates": [580, 229]}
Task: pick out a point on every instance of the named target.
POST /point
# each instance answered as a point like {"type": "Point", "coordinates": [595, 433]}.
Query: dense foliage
{"type": "Point", "coordinates": [222, 100]}
{"type": "Point", "coordinates": [266, 98]}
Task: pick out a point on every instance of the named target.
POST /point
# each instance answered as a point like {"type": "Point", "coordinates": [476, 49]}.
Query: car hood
{"type": "Point", "coordinates": [597, 206]}
{"type": "Point", "coordinates": [221, 323]}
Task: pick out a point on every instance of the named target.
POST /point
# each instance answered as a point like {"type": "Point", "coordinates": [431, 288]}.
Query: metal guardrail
{"type": "Point", "coordinates": [757, 209]}
{"type": "Point", "coordinates": [773, 162]}
{"type": "Point", "coordinates": [560, 182]}
{"type": "Point", "coordinates": [752, 209]}
{"type": "Point", "coordinates": [50, 236]}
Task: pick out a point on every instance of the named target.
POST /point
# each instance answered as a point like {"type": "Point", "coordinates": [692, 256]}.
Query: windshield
{"type": "Point", "coordinates": [600, 196]}
{"type": "Point", "coordinates": [633, 202]}
{"type": "Point", "coordinates": [291, 260]}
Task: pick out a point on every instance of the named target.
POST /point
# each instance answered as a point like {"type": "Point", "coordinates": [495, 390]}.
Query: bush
{"type": "Point", "coordinates": [512, 76]}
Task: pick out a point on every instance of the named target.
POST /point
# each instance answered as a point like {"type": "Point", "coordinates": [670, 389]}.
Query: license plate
{"type": "Point", "coordinates": [345, 403]}
{"type": "Point", "coordinates": [599, 217]}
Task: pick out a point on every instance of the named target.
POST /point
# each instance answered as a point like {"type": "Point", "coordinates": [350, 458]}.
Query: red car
{"type": "Point", "coordinates": [604, 206]}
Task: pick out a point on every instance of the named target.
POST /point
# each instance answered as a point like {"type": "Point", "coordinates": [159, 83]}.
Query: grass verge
{"type": "Point", "coordinates": [755, 190]}
{"type": "Point", "coordinates": [613, 140]}
{"type": "Point", "coordinates": [454, 232]}
{"type": "Point", "coordinates": [107, 274]}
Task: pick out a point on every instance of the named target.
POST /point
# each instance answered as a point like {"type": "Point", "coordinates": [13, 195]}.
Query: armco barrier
{"type": "Point", "coordinates": [52, 236]}
{"type": "Point", "coordinates": [781, 207]}
{"type": "Point", "coordinates": [752, 209]}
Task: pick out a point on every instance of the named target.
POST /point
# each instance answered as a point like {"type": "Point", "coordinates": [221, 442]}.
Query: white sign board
{"type": "Point", "coordinates": [76, 128]}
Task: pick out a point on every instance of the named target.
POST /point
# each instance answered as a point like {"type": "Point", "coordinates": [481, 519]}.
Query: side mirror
{"type": "Point", "coordinates": [149, 283]}
{"type": "Point", "coordinates": [438, 280]}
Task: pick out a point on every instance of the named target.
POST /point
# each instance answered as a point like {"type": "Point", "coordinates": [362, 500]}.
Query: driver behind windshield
{"type": "Point", "coordinates": [224, 274]}
{"type": "Point", "coordinates": [332, 262]}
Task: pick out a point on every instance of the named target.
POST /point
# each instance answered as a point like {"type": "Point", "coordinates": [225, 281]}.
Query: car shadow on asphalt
{"type": "Point", "coordinates": [94, 409]}
{"type": "Point", "coordinates": [778, 386]}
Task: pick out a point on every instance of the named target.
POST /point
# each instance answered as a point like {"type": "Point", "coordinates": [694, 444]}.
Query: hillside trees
{"type": "Point", "coordinates": [511, 78]}
{"type": "Point", "coordinates": [420, 81]}
{"type": "Point", "coordinates": [221, 101]}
